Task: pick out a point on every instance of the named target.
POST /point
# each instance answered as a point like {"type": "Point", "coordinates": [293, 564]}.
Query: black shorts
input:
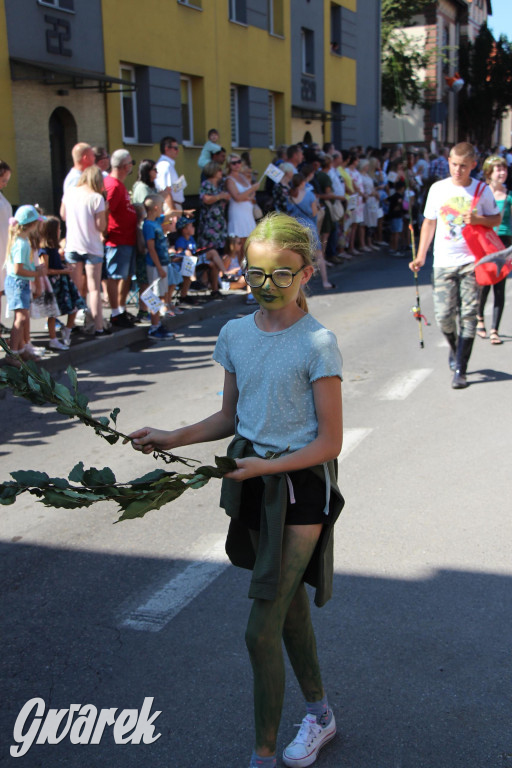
{"type": "Point", "coordinates": [308, 509]}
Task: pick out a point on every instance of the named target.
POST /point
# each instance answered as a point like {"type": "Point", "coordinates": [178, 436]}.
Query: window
{"type": "Point", "coordinates": [271, 120]}
{"type": "Point", "coordinates": [187, 118]}
{"type": "Point", "coordinates": [335, 40]}
{"type": "Point", "coordinates": [61, 5]}
{"type": "Point", "coordinates": [275, 17]}
{"type": "Point", "coordinates": [238, 11]}
{"type": "Point", "coordinates": [307, 38]}
{"type": "Point", "coordinates": [129, 105]}
{"type": "Point", "coordinates": [233, 107]}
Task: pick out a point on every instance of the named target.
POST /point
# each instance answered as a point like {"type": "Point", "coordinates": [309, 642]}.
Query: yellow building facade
{"type": "Point", "coordinates": [262, 72]}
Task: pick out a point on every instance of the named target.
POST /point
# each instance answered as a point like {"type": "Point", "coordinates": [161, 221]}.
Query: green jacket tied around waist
{"type": "Point", "coordinates": [266, 566]}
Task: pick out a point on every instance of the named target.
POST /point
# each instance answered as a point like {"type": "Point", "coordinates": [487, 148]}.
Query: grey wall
{"type": "Point", "coordinates": [158, 104]}
{"type": "Point", "coordinates": [73, 40]}
{"type": "Point", "coordinates": [311, 16]}
{"type": "Point", "coordinates": [258, 117]}
{"type": "Point", "coordinates": [253, 117]}
{"type": "Point", "coordinates": [367, 121]}
{"type": "Point", "coordinates": [257, 13]}
{"type": "Point", "coordinates": [345, 133]}
{"type": "Point", "coordinates": [349, 24]}
{"type": "Point", "coordinates": [360, 40]}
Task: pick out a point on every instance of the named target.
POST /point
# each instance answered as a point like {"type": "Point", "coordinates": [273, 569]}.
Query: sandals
{"type": "Point", "coordinates": [494, 338]}
{"type": "Point", "coordinates": [480, 328]}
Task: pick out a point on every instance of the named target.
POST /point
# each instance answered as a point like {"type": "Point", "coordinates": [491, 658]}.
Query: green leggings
{"type": "Point", "coordinates": [287, 618]}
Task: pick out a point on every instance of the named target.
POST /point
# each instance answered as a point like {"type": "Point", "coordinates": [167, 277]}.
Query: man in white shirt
{"type": "Point", "coordinates": [338, 185]}
{"type": "Point", "coordinates": [83, 157]}
{"type": "Point", "coordinates": [449, 208]}
{"type": "Point", "coordinates": [167, 176]}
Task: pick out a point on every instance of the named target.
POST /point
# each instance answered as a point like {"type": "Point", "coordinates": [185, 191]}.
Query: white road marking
{"type": "Point", "coordinates": [167, 601]}
{"type": "Point", "coordinates": [402, 385]}
{"type": "Point", "coordinates": [351, 439]}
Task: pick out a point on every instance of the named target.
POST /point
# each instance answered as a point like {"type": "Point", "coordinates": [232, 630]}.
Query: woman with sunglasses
{"type": "Point", "coordinates": [282, 402]}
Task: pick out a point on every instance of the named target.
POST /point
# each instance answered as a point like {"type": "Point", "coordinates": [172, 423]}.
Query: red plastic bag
{"type": "Point", "coordinates": [483, 241]}
{"type": "Point", "coordinates": [494, 267]}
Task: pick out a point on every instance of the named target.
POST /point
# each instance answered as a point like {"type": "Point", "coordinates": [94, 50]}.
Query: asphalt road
{"type": "Point", "coordinates": [415, 644]}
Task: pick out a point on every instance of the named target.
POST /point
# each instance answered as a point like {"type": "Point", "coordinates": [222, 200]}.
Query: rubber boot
{"type": "Point", "coordinates": [464, 347]}
{"type": "Point", "coordinates": [451, 338]}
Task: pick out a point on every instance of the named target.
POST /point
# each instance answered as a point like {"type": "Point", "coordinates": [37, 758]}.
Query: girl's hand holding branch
{"type": "Point", "coordinates": [149, 439]}
{"type": "Point", "coordinates": [252, 466]}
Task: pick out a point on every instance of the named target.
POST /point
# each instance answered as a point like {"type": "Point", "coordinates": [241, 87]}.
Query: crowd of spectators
{"type": "Point", "coordinates": [354, 200]}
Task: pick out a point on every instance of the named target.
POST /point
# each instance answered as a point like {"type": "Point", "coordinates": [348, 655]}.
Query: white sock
{"type": "Point", "coordinates": [116, 312]}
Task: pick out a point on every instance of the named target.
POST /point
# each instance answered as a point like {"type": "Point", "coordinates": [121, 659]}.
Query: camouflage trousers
{"type": "Point", "coordinates": [456, 293]}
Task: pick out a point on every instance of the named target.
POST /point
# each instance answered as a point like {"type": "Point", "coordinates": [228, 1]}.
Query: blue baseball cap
{"type": "Point", "coordinates": [27, 214]}
{"type": "Point", "coordinates": [183, 221]}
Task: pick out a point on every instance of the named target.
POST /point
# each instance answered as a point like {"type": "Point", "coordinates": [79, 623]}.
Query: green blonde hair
{"type": "Point", "coordinates": [286, 234]}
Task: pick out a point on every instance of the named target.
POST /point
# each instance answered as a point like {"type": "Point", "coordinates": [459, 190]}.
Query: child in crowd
{"type": "Point", "coordinates": [157, 260]}
{"type": "Point", "coordinates": [232, 260]}
{"type": "Point", "coordinates": [209, 148]}
{"type": "Point", "coordinates": [185, 245]}
{"type": "Point", "coordinates": [396, 216]}
{"type": "Point", "coordinates": [209, 266]}
{"type": "Point", "coordinates": [21, 271]}
{"type": "Point", "coordinates": [42, 300]}
{"type": "Point", "coordinates": [67, 297]}
{"type": "Point", "coordinates": [281, 400]}
{"type": "Point", "coordinates": [495, 172]}
{"type": "Point", "coordinates": [140, 261]}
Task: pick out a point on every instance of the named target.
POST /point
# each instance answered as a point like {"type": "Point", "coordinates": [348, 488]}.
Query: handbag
{"type": "Point", "coordinates": [335, 209]}
{"type": "Point", "coordinates": [483, 242]}
{"type": "Point", "coordinates": [257, 212]}
{"type": "Point", "coordinates": [44, 304]}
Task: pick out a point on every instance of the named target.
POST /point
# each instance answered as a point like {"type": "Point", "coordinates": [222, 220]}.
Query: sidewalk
{"type": "Point", "coordinates": [84, 347]}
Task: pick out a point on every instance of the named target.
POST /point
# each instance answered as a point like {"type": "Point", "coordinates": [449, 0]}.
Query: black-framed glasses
{"type": "Point", "coordinates": [282, 278]}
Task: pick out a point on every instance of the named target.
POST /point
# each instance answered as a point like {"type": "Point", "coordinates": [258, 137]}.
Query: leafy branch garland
{"type": "Point", "coordinates": [87, 486]}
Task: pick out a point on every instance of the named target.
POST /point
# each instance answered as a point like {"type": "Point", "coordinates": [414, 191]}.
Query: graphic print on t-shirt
{"type": "Point", "coordinates": [451, 215]}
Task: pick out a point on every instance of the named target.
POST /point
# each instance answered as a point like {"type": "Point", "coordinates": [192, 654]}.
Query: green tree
{"type": "Point", "coordinates": [486, 67]}
{"type": "Point", "coordinates": [401, 58]}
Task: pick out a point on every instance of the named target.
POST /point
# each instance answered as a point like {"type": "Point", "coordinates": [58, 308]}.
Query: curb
{"type": "Point", "coordinates": [90, 348]}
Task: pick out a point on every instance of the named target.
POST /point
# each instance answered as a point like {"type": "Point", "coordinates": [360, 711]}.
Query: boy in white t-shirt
{"type": "Point", "coordinates": [447, 211]}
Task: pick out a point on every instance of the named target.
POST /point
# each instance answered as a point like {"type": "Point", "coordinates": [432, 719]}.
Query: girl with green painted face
{"type": "Point", "coordinates": [282, 402]}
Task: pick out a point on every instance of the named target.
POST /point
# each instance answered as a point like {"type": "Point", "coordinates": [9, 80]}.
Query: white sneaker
{"type": "Point", "coordinates": [56, 344]}
{"type": "Point", "coordinates": [66, 335]}
{"type": "Point", "coordinates": [311, 737]}
{"type": "Point", "coordinates": [37, 351]}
